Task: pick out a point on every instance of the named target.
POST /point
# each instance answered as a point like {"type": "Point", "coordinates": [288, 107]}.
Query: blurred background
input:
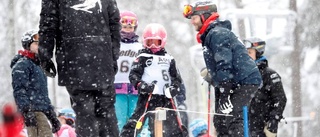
{"type": "Point", "coordinates": [291, 29]}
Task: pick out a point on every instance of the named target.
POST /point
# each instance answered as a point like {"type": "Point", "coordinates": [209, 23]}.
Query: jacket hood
{"type": "Point", "coordinates": [15, 60]}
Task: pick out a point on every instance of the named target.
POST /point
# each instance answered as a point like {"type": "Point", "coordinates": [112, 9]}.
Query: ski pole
{"type": "Point", "coordinates": [209, 102]}
{"type": "Point", "coordinates": [245, 121]}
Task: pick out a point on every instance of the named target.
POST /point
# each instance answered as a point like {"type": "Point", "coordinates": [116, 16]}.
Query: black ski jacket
{"type": "Point", "coordinates": [86, 36]}
{"type": "Point", "coordinates": [271, 96]}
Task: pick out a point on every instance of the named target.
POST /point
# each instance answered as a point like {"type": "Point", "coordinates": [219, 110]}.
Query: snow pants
{"type": "Point", "coordinates": [170, 125]}
{"type": "Point", "coordinates": [257, 115]}
{"type": "Point", "coordinates": [125, 105]}
{"type": "Point", "coordinates": [95, 112]}
{"type": "Point", "coordinates": [232, 126]}
{"type": "Point", "coordinates": [42, 129]}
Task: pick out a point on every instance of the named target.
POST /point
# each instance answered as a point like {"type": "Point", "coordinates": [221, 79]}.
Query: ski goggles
{"type": "Point", "coordinates": [33, 38]}
{"type": "Point", "coordinates": [153, 43]}
{"type": "Point", "coordinates": [126, 20]}
{"type": "Point", "coordinates": [187, 11]}
{"type": "Point", "coordinates": [248, 44]}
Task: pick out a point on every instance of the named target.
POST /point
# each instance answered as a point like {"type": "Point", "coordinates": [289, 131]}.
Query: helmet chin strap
{"type": "Point", "coordinates": [202, 18]}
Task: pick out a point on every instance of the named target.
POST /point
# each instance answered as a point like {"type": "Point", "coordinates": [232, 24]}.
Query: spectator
{"type": "Point", "coordinates": [86, 36]}
{"type": "Point", "coordinates": [268, 104]}
{"type": "Point", "coordinates": [235, 76]}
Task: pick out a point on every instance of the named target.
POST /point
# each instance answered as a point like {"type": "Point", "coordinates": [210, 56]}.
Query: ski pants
{"type": "Point", "coordinates": [232, 126]}
{"type": "Point", "coordinates": [125, 105]}
{"type": "Point", "coordinates": [42, 129]}
{"type": "Point", "coordinates": [170, 125]}
{"type": "Point", "coordinates": [95, 112]}
{"type": "Point", "coordinates": [257, 116]}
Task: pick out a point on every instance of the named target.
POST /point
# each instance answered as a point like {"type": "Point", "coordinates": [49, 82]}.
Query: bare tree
{"type": "Point", "coordinates": [296, 67]}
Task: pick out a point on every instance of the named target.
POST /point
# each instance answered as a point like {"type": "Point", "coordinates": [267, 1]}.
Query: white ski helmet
{"type": "Point", "coordinates": [255, 43]}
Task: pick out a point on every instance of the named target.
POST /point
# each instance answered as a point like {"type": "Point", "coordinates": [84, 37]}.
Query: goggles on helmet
{"type": "Point", "coordinates": [248, 44]}
{"type": "Point", "coordinates": [153, 43]}
{"type": "Point", "coordinates": [126, 20]}
{"type": "Point", "coordinates": [34, 38]}
{"type": "Point", "coordinates": [187, 11]}
{"type": "Point", "coordinates": [199, 8]}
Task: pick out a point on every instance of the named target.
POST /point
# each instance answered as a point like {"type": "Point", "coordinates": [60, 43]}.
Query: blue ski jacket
{"type": "Point", "coordinates": [226, 57]}
{"type": "Point", "coordinates": [29, 84]}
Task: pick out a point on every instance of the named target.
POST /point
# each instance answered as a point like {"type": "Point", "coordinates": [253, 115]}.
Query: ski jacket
{"type": "Point", "coordinates": [271, 95]}
{"type": "Point", "coordinates": [29, 85]}
{"type": "Point", "coordinates": [87, 40]}
{"type": "Point", "coordinates": [160, 67]}
{"type": "Point", "coordinates": [226, 58]}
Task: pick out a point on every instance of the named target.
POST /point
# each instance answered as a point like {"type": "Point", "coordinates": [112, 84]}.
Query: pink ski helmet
{"type": "Point", "coordinates": [129, 18]}
{"type": "Point", "coordinates": [154, 37]}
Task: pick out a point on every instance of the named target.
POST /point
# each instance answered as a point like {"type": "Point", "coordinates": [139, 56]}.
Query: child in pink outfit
{"type": "Point", "coordinates": [67, 119]}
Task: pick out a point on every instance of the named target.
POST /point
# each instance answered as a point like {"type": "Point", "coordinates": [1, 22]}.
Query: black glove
{"type": "Point", "coordinates": [30, 119]}
{"type": "Point", "coordinates": [174, 90]}
{"type": "Point", "coordinates": [225, 104]}
{"type": "Point", "coordinates": [146, 88]}
{"type": "Point", "coordinates": [272, 125]}
{"type": "Point", "coordinates": [55, 123]}
{"type": "Point", "coordinates": [49, 68]}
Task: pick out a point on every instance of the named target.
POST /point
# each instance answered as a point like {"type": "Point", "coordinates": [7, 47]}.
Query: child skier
{"type": "Point", "coordinates": [126, 95]}
{"type": "Point", "coordinates": [153, 72]}
{"type": "Point", "coordinates": [67, 118]}
{"type": "Point", "coordinates": [199, 128]}
{"type": "Point", "coordinates": [268, 104]}
{"type": "Point", "coordinates": [30, 89]}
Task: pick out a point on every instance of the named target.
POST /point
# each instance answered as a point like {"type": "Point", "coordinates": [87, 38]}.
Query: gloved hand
{"type": "Point", "coordinates": [272, 125]}
{"type": "Point", "coordinates": [206, 75]}
{"type": "Point", "coordinates": [225, 105]}
{"type": "Point", "coordinates": [171, 91]}
{"type": "Point", "coordinates": [182, 106]}
{"type": "Point", "coordinates": [55, 123]}
{"type": "Point", "coordinates": [30, 119]}
{"type": "Point", "coordinates": [268, 133]}
{"type": "Point", "coordinates": [146, 88]}
{"type": "Point", "coordinates": [49, 68]}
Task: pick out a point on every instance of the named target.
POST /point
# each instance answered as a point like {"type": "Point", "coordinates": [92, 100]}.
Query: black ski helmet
{"type": "Point", "coordinates": [255, 43]}
{"type": "Point", "coordinates": [202, 8]}
{"type": "Point", "coordinates": [29, 37]}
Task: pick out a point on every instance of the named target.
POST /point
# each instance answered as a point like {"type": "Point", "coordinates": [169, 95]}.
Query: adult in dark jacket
{"type": "Point", "coordinates": [268, 105]}
{"type": "Point", "coordinates": [86, 35]}
{"type": "Point", "coordinates": [235, 76]}
{"type": "Point", "coordinates": [30, 89]}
